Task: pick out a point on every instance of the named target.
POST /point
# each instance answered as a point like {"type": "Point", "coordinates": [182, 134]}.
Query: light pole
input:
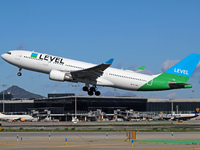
{"type": "Point", "coordinates": [75, 102]}
{"type": "Point", "coordinates": [193, 93]}
{"type": "Point", "coordinates": [3, 85]}
{"type": "Point", "coordinates": [172, 103]}
{"type": "Point", "coordinates": [177, 109]}
{"type": "Point", "coordinates": [115, 91]}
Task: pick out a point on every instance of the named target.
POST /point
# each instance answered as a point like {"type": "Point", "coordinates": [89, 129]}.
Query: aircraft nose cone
{"type": "Point", "coordinates": [3, 56]}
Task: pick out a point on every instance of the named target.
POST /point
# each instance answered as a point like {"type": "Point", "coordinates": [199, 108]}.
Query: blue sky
{"type": "Point", "coordinates": [134, 33]}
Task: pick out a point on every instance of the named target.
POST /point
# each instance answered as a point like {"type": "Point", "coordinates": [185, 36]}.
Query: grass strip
{"type": "Point", "coordinates": [173, 141]}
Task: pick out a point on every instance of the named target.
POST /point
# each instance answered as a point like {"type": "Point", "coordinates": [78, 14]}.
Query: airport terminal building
{"type": "Point", "coordinates": [65, 104]}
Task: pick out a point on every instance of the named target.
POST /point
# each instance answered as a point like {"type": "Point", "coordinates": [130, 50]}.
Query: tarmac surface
{"type": "Point", "coordinates": [99, 141]}
{"type": "Point", "coordinates": [102, 125]}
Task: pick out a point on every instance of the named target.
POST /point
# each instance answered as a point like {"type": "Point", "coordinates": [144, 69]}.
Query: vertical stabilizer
{"type": "Point", "coordinates": [197, 109]}
{"type": "Point", "coordinates": [175, 77]}
{"type": "Point", "coordinates": [184, 69]}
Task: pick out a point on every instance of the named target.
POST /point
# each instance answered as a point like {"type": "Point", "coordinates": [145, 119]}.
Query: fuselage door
{"type": "Point", "coordinates": [18, 56]}
{"type": "Point", "coordinates": [150, 83]}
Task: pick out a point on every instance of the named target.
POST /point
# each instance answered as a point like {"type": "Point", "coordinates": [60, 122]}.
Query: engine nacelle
{"type": "Point", "coordinates": [59, 76]}
{"type": "Point", "coordinates": [22, 120]}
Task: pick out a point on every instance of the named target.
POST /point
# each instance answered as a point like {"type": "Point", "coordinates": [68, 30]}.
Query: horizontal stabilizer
{"type": "Point", "coordinates": [173, 85]}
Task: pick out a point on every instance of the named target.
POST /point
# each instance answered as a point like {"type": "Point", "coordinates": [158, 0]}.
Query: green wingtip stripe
{"type": "Point", "coordinates": [141, 68]}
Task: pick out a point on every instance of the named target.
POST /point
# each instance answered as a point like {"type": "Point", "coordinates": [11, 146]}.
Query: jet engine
{"type": "Point", "coordinates": [22, 120]}
{"type": "Point", "coordinates": [59, 76]}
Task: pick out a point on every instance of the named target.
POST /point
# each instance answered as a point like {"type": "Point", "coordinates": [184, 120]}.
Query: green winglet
{"type": "Point", "coordinates": [141, 68]}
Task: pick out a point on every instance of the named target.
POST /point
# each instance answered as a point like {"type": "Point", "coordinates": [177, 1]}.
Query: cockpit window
{"type": "Point", "coordinates": [9, 53]}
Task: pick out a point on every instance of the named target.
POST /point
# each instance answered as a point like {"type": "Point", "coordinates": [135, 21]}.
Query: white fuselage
{"type": "Point", "coordinates": [182, 116]}
{"type": "Point", "coordinates": [44, 63]}
{"type": "Point", "coordinates": [15, 117]}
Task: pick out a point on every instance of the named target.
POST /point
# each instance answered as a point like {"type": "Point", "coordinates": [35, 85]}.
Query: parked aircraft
{"type": "Point", "coordinates": [62, 69]}
{"type": "Point", "coordinates": [183, 116]}
{"type": "Point", "coordinates": [16, 117]}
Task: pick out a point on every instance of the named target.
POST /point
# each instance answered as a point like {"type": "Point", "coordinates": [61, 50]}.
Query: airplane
{"type": "Point", "coordinates": [183, 116]}
{"type": "Point", "coordinates": [16, 117]}
{"type": "Point", "coordinates": [63, 69]}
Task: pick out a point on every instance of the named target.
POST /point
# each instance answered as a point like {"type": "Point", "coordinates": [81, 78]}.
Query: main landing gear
{"type": "Point", "coordinates": [91, 90]}
{"type": "Point", "coordinates": [19, 73]}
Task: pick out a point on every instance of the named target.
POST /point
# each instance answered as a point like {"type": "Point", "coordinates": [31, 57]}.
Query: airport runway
{"type": "Point", "coordinates": [98, 140]}
{"type": "Point", "coordinates": [102, 125]}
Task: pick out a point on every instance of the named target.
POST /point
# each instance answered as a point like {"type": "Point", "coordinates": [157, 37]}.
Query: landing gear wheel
{"type": "Point", "coordinates": [90, 93]}
{"type": "Point", "coordinates": [93, 89]}
{"type": "Point", "coordinates": [97, 93]}
{"type": "Point", "coordinates": [19, 73]}
{"type": "Point", "coordinates": [85, 88]}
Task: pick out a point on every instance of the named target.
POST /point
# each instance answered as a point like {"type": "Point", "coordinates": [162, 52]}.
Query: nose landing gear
{"type": "Point", "coordinates": [19, 73]}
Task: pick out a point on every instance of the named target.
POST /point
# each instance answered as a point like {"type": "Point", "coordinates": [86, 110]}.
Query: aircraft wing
{"type": "Point", "coordinates": [92, 73]}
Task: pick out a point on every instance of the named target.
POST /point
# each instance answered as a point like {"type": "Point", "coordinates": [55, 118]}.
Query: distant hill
{"type": "Point", "coordinates": [21, 93]}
